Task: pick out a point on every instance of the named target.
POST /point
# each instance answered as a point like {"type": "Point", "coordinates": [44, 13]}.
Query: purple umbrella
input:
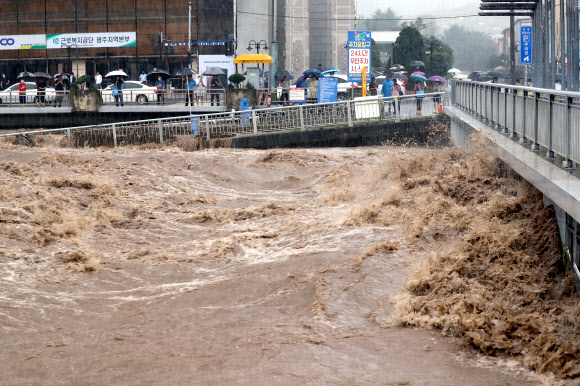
{"type": "Point", "coordinates": [437, 78]}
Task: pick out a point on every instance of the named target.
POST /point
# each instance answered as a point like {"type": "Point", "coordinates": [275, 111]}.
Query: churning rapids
{"type": "Point", "coordinates": [383, 265]}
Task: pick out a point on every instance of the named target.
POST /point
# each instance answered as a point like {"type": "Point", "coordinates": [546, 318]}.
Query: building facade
{"type": "Point", "coordinates": [151, 20]}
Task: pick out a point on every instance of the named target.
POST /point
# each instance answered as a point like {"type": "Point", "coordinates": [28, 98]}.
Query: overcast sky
{"type": "Point", "coordinates": [412, 8]}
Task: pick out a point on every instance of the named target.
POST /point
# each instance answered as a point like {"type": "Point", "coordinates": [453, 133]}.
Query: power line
{"type": "Point", "coordinates": [357, 19]}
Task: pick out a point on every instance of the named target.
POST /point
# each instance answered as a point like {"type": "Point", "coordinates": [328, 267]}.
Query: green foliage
{"type": "Point", "coordinates": [83, 79]}
{"type": "Point", "coordinates": [237, 79]}
{"type": "Point", "coordinates": [419, 24]}
{"type": "Point", "coordinates": [94, 88]}
{"type": "Point", "coordinates": [375, 55]}
{"type": "Point", "coordinates": [470, 48]}
{"type": "Point", "coordinates": [409, 47]}
{"type": "Point", "coordinates": [497, 60]}
{"type": "Point", "coordinates": [250, 86]}
{"type": "Point", "coordinates": [381, 20]}
{"type": "Point", "coordinates": [438, 57]}
{"type": "Point", "coordinates": [230, 86]}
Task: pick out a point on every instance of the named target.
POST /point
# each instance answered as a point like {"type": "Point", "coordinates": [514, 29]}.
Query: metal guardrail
{"type": "Point", "coordinates": [228, 124]}
{"type": "Point", "coordinates": [535, 116]}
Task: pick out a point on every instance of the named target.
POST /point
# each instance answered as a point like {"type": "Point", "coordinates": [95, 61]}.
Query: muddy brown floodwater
{"type": "Point", "coordinates": [158, 266]}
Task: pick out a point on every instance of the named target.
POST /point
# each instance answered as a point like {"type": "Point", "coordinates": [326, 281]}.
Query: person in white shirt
{"type": "Point", "coordinates": [143, 77]}
{"type": "Point", "coordinates": [98, 80]}
{"type": "Point", "coordinates": [558, 86]}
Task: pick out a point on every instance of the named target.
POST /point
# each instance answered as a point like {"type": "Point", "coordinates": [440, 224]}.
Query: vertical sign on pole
{"type": "Point", "coordinates": [526, 45]}
{"type": "Point", "coordinates": [359, 55]}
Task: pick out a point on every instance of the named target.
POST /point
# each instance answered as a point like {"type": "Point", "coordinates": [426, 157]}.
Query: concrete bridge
{"type": "Point", "coordinates": [537, 133]}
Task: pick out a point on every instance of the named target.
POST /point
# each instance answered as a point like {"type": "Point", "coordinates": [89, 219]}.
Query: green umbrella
{"type": "Point", "coordinates": [419, 78]}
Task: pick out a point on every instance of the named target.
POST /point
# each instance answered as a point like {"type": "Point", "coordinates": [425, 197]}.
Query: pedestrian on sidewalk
{"type": "Point", "coordinates": [160, 84]}
{"type": "Point", "coordinates": [22, 92]}
{"type": "Point", "coordinates": [373, 86]}
{"type": "Point", "coordinates": [99, 80]}
{"type": "Point", "coordinates": [313, 87]}
{"type": "Point", "coordinates": [386, 91]}
{"type": "Point", "coordinates": [199, 90]}
{"type": "Point", "coordinates": [59, 88]}
{"type": "Point", "coordinates": [3, 82]}
{"type": "Point", "coordinates": [118, 91]}
{"type": "Point", "coordinates": [420, 94]}
{"type": "Point", "coordinates": [40, 92]}
{"type": "Point", "coordinates": [190, 87]}
{"type": "Point", "coordinates": [215, 89]}
{"type": "Point", "coordinates": [285, 90]}
{"type": "Point", "coordinates": [437, 97]}
{"type": "Point", "coordinates": [395, 92]}
{"type": "Point", "coordinates": [143, 77]}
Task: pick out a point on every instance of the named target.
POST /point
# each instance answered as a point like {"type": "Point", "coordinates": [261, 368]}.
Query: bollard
{"type": "Point", "coordinates": [160, 123]}
{"type": "Point", "coordinates": [114, 127]}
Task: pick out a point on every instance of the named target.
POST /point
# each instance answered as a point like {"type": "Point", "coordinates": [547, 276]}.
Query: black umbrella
{"type": "Point", "coordinates": [397, 67]}
{"type": "Point", "coordinates": [417, 63]}
{"type": "Point", "coordinates": [396, 75]}
{"type": "Point", "coordinates": [380, 69]}
{"type": "Point", "coordinates": [212, 72]}
{"type": "Point", "coordinates": [186, 71]}
{"type": "Point", "coordinates": [156, 72]}
{"type": "Point", "coordinates": [25, 74]}
{"type": "Point", "coordinates": [281, 73]}
{"type": "Point", "coordinates": [42, 75]}
{"type": "Point", "coordinates": [497, 74]}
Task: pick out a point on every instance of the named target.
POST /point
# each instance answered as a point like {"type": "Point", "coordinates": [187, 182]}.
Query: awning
{"type": "Point", "coordinates": [253, 58]}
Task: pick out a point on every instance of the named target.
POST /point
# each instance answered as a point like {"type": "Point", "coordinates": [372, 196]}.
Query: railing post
{"type": "Point", "coordinates": [397, 112]}
{"type": "Point", "coordinates": [567, 163]}
{"type": "Point", "coordinates": [349, 112]}
{"type": "Point", "coordinates": [255, 122]}
{"type": "Point", "coordinates": [536, 145]}
{"type": "Point", "coordinates": [114, 128]}
{"type": "Point", "coordinates": [68, 133]}
{"type": "Point", "coordinates": [207, 136]}
{"type": "Point", "coordinates": [498, 125]}
{"type": "Point", "coordinates": [491, 106]}
{"type": "Point", "coordinates": [160, 125]}
{"type": "Point", "coordinates": [551, 112]}
{"type": "Point", "coordinates": [514, 93]}
{"type": "Point", "coordinates": [505, 127]}
{"type": "Point", "coordinates": [301, 117]}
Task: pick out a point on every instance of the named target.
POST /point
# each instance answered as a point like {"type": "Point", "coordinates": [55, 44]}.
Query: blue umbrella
{"type": "Point", "coordinates": [313, 72]}
{"type": "Point", "coordinates": [330, 71]}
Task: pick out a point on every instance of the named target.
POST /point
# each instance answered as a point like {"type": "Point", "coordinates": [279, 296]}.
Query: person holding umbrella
{"type": "Point", "coordinates": [118, 91]}
{"type": "Point", "coordinates": [373, 87]}
{"type": "Point", "coordinates": [40, 92]}
{"type": "Point", "coordinates": [214, 86]}
{"type": "Point", "coordinates": [313, 87]}
{"type": "Point", "coordinates": [395, 91]}
{"type": "Point", "coordinates": [22, 92]}
{"type": "Point", "coordinates": [286, 89]}
{"type": "Point", "coordinates": [420, 93]}
{"type": "Point", "coordinates": [160, 85]}
{"type": "Point", "coordinates": [437, 98]}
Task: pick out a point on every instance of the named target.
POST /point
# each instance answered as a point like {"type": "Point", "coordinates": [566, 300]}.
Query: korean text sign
{"type": "Point", "coordinates": [526, 45]}
{"type": "Point", "coordinates": [92, 40]}
{"type": "Point", "coordinates": [327, 89]}
{"type": "Point", "coordinates": [359, 54]}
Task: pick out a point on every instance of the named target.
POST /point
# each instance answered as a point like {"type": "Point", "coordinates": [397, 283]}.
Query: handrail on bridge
{"type": "Point", "coordinates": [544, 119]}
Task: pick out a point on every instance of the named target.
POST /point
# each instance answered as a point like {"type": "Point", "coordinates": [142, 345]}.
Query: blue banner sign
{"type": "Point", "coordinates": [359, 55]}
{"type": "Point", "coordinates": [327, 89]}
{"type": "Point", "coordinates": [526, 45]}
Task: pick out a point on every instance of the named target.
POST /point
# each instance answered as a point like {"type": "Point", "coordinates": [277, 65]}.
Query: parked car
{"type": "Point", "coordinates": [133, 91]}
{"type": "Point", "coordinates": [11, 94]}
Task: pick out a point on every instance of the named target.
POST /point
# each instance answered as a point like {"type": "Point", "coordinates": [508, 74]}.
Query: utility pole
{"type": "Point", "coordinates": [512, 50]}
{"type": "Point", "coordinates": [274, 67]}
{"type": "Point", "coordinates": [189, 40]}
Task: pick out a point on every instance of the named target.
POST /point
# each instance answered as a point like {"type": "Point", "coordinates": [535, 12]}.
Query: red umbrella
{"type": "Point", "coordinates": [418, 73]}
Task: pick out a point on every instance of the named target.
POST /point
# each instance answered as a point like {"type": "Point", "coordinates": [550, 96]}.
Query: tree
{"type": "Point", "coordinates": [438, 57]}
{"type": "Point", "coordinates": [380, 20]}
{"type": "Point", "coordinates": [375, 55]}
{"type": "Point", "coordinates": [419, 24]}
{"type": "Point", "coordinates": [470, 48]}
{"type": "Point", "coordinates": [408, 47]}
{"type": "Point", "coordinates": [497, 60]}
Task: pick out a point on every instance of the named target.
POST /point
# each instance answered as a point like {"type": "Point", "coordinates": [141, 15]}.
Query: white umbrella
{"type": "Point", "coordinates": [116, 73]}
{"type": "Point", "coordinates": [454, 71]}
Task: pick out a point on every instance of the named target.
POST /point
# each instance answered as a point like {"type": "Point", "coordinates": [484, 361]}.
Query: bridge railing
{"type": "Point", "coordinates": [545, 119]}
{"type": "Point", "coordinates": [220, 125]}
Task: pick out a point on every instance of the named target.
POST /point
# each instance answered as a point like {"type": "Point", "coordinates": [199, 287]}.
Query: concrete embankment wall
{"type": "Point", "coordinates": [426, 132]}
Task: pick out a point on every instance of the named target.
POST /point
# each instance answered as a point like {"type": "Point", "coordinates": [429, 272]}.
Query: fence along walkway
{"type": "Point", "coordinates": [539, 117]}
{"type": "Point", "coordinates": [208, 126]}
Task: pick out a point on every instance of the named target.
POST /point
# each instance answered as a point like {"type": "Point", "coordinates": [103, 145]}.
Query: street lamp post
{"type": "Point", "coordinates": [69, 48]}
{"type": "Point", "coordinates": [257, 45]}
